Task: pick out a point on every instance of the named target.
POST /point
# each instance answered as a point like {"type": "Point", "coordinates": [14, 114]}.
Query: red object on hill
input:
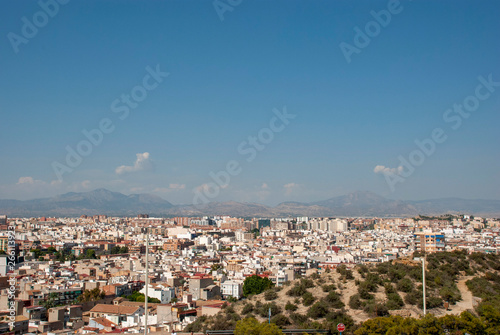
{"type": "Point", "coordinates": [340, 327]}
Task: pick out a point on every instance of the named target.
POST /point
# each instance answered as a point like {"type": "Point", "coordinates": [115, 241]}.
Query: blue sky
{"type": "Point", "coordinates": [352, 119]}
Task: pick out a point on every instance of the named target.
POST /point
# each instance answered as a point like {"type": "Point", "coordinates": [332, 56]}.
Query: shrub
{"type": "Point", "coordinates": [308, 299]}
{"type": "Point", "coordinates": [394, 301]}
{"type": "Point", "coordinates": [355, 301]}
{"type": "Point", "coordinates": [270, 295]}
{"type": "Point", "coordinates": [450, 295]}
{"type": "Point", "coordinates": [197, 326]}
{"type": "Point", "coordinates": [290, 307]}
{"type": "Point", "coordinates": [328, 288]}
{"type": "Point", "coordinates": [389, 288]}
{"type": "Point", "coordinates": [307, 283]}
{"type": "Point", "coordinates": [263, 311]}
{"type": "Point", "coordinates": [344, 272]}
{"type": "Point", "coordinates": [412, 298]}
{"type": "Point", "coordinates": [333, 299]}
{"type": "Point", "coordinates": [382, 268]}
{"type": "Point", "coordinates": [396, 274]}
{"type": "Point", "coordinates": [365, 294]}
{"type": "Point", "coordinates": [252, 326]}
{"type": "Point", "coordinates": [280, 320]}
{"type": "Point", "coordinates": [298, 318]}
{"type": "Point", "coordinates": [405, 285]}
{"type": "Point", "coordinates": [362, 268]}
{"type": "Point", "coordinates": [376, 309]}
{"type": "Point", "coordinates": [369, 286]}
{"type": "Point", "coordinates": [247, 308]}
{"type": "Point", "coordinates": [318, 310]}
{"type": "Point", "coordinates": [433, 302]}
{"type": "Point", "coordinates": [297, 290]}
{"type": "Point", "coordinates": [373, 279]}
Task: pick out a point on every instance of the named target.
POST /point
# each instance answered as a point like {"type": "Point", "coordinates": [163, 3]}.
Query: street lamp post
{"type": "Point", "coordinates": [423, 281]}
{"type": "Point", "coordinates": [146, 283]}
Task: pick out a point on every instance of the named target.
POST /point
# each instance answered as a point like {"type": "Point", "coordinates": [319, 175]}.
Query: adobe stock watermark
{"type": "Point", "coordinates": [248, 148]}
{"type": "Point", "coordinates": [30, 27]}
{"type": "Point", "coordinates": [372, 29]}
{"type": "Point", "coordinates": [222, 6]}
{"type": "Point", "coordinates": [121, 107]}
{"type": "Point", "coordinates": [453, 117]}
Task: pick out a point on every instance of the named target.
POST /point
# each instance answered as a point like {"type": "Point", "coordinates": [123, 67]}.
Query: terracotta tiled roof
{"type": "Point", "coordinates": [104, 322]}
{"type": "Point", "coordinates": [114, 309]}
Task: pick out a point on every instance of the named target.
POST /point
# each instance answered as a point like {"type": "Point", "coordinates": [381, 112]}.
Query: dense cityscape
{"type": "Point", "coordinates": [86, 275]}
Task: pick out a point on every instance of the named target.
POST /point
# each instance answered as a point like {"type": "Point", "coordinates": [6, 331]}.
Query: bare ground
{"type": "Point", "coordinates": [348, 288]}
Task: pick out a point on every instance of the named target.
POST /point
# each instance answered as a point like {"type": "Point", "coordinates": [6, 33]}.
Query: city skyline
{"type": "Point", "coordinates": [266, 102]}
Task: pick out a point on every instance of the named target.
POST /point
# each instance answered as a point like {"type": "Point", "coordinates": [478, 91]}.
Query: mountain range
{"type": "Point", "coordinates": [356, 204]}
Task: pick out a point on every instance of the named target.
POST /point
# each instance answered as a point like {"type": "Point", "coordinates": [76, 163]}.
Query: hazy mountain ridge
{"type": "Point", "coordinates": [94, 202]}
{"type": "Point", "coordinates": [356, 204]}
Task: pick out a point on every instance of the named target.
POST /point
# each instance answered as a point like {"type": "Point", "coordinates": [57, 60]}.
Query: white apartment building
{"type": "Point", "coordinates": [164, 293]}
{"type": "Point", "coordinates": [232, 288]}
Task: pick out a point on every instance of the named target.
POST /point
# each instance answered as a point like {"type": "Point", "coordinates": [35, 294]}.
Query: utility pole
{"type": "Point", "coordinates": [423, 268]}
{"type": "Point", "coordinates": [423, 281]}
{"type": "Point", "coordinates": [146, 283]}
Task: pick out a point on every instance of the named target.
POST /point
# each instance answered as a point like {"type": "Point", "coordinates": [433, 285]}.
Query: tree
{"type": "Point", "coordinates": [250, 326]}
{"type": "Point", "coordinates": [115, 250]}
{"type": "Point", "coordinates": [256, 285]}
{"type": "Point", "coordinates": [51, 301]}
{"type": "Point", "coordinates": [90, 254]}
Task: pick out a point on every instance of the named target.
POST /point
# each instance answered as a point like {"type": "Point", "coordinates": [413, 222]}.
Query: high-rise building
{"type": "Point", "coordinates": [429, 242]}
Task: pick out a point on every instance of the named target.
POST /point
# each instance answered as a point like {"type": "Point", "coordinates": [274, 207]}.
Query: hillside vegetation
{"type": "Point", "coordinates": [381, 298]}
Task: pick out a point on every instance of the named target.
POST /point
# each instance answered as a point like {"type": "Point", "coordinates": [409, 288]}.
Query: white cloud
{"type": "Point", "coordinates": [170, 188]}
{"type": "Point", "coordinates": [264, 186]}
{"type": "Point", "coordinates": [203, 187]}
{"type": "Point", "coordinates": [387, 170]}
{"type": "Point", "coordinates": [143, 162]}
{"type": "Point", "coordinates": [177, 186]}
{"type": "Point", "coordinates": [290, 188]}
{"type": "Point", "coordinates": [25, 180]}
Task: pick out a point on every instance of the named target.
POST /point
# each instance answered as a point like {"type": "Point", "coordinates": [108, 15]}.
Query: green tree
{"type": "Point", "coordinates": [91, 295]}
{"type": "Point", "coordinates": [256, 285]}
{"type": "Point", "coordinates": [115, 250]}
{"type": "Point", "coordinates": [90, 254]}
